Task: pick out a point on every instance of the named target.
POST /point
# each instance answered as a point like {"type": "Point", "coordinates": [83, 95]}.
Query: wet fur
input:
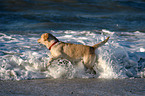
{"type": "Point", "coordinates": [72, 52]}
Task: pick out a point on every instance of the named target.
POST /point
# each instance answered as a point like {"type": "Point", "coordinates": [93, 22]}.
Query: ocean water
{"type": "Point", "coordinates": [84, 22]}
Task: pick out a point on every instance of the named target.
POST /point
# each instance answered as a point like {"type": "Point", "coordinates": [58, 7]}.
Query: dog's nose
{"type": "Point", "coordinates": [38, 40]}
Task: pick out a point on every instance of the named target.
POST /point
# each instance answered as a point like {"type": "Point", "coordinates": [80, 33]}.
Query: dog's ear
{"type": "Point", "coordinates": [46, 35]}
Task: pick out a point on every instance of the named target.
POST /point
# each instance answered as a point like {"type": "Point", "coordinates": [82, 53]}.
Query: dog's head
{"type": "Point", "coordinates": [47, 38]}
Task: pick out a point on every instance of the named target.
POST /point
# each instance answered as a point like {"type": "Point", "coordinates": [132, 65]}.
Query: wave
{"type": "Point", "coordinates": [21, 57]}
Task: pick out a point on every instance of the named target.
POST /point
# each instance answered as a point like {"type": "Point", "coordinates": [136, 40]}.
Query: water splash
{"type": "Point", "coordinates": [21, 57]}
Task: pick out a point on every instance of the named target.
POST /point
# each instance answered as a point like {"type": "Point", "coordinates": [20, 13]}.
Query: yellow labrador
{"type": "Point", "coordinates": [72, 52]}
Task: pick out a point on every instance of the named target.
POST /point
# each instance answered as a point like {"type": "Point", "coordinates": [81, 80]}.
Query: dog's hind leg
{"type": "Point", "coordinates": [89, 63]}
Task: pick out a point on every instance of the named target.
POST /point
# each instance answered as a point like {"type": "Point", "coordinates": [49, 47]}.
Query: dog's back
{"type": "Point", "coordinates": [77, 51]}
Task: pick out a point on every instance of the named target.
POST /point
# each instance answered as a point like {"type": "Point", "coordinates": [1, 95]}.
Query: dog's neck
{"type": "Point", "coordinates": [52, 43]}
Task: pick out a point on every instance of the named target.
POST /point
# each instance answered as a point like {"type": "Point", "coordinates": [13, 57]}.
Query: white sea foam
{"type": "Point", "coordinates": [21, 57]}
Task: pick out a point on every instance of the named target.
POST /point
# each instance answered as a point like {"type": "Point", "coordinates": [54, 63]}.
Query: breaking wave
{"type": "Point", "coordinates": [21, 57]}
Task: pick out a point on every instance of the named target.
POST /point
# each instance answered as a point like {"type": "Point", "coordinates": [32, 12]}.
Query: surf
{"type": "Point", "coordinates": [21, 57]}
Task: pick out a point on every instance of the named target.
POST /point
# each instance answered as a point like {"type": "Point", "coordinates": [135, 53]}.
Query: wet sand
{"type": "Point", "coordinates": [73, 87]}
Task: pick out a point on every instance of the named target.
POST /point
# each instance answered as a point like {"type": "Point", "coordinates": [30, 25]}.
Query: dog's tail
{"type": "Point", "coordinates": [101, 43]}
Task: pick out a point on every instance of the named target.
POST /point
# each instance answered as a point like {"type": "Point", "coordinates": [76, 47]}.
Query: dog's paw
{"type": "Point", "coordinates": [49, 63]}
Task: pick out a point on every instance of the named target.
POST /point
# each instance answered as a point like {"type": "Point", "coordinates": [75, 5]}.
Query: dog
{"type": "Point", "coordinates": [72, 52]}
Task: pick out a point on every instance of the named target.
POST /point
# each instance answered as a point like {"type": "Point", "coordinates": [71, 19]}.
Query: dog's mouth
{"type": "Point", "coordinates": [38, 41]}
{"type": "Point", "coordinates": [41, 45]}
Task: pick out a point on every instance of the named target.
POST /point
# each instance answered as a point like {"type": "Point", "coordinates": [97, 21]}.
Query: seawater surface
{"type": "Point", "coordinates": [85, 22]}
{"type": "Point", "coordinates": [123, 56]}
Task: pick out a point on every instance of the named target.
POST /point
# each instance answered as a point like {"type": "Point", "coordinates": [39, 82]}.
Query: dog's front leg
{"type": "Point", "coordinates": [51, 60]}
{"type": "Point", "coordinates": [49, 63]}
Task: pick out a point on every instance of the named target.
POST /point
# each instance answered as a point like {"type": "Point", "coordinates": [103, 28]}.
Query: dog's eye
{"type": "Point", "coordinates": [45, 39]}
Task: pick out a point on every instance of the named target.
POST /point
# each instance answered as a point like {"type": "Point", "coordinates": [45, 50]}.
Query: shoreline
{"type": "Point", "coordinates": [73, 87]}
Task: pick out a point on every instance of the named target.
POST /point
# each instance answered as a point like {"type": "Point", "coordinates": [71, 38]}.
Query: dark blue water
{"type": "Point", "coordinates": [41, 15]}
